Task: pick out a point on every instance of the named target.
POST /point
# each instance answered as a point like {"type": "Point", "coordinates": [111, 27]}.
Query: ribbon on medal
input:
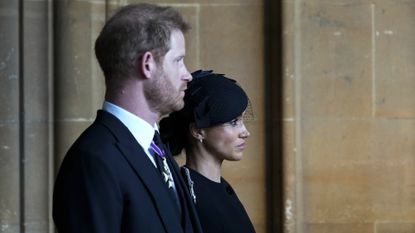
{"type": "Point", "coordinates": [168, 178]}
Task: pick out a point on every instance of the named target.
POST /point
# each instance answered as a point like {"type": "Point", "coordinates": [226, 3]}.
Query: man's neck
{"type": "Point", "coordinates": [133, 101]}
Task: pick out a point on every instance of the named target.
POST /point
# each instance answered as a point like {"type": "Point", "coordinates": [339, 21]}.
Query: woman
{"type": "Point", "coordinates": [210, 129]}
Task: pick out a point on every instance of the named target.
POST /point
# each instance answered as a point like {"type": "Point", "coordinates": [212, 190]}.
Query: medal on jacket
{"type": "Point", "coordinates": [165, 170]}
{"type": "Point", "coordinates": [168, 178]}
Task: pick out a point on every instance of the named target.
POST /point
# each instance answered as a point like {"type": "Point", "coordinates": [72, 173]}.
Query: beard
{"type": "Point", "coordinates": [162, 95]}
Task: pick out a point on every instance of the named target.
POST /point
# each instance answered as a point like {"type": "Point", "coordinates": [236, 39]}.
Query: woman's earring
{"type": "Point", "coordinates": [200, 140]}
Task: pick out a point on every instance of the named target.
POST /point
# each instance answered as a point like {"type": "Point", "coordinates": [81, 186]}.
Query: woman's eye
{"type": "Point", "coordinates": [235, 122]}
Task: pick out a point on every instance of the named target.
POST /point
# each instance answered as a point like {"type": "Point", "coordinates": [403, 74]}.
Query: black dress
{"type": "Point", "coordinates": [217, 205]}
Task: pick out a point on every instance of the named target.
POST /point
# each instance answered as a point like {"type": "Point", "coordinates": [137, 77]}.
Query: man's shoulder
{"type": "Point", "coordinates": [104, 128]}
{"type": "Point", "coordinates": [95, 139]}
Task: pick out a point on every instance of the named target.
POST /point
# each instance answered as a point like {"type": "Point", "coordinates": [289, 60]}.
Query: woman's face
{"type": "Point", "coordinates": [226, 141]}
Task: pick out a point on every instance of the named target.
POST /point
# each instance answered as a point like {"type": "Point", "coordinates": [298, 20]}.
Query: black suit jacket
{"type": "Point", "coordinates": [107, 184]}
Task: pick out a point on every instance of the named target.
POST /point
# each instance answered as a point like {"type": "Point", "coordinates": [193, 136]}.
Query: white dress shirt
{"type": "Point", "coordinates": [142, 131]}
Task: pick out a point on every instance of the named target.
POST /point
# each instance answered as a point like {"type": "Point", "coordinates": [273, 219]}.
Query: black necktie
{"type": "Point", "coordinates": [159, 150]}
{"type": "Point", "coordinates": [160, 157]}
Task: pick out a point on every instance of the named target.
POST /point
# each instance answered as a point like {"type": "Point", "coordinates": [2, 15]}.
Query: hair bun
{"type": "Point", "coordinates": [173, 130]}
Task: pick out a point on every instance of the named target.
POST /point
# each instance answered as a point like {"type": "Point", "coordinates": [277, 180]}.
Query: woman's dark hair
{"type": "Point", "coordinates": [210, 99]}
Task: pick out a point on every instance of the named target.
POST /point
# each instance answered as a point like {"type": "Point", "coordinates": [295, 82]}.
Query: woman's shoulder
{"type": "Point", "coordinates": [194, 175]}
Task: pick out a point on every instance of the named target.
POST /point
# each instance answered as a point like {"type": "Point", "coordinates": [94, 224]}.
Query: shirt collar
{"type": "Point", "coordinates": [142, 131]}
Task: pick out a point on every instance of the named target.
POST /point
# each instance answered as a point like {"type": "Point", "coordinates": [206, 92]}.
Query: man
{"type": "Point", "coordinates": [112, 179]}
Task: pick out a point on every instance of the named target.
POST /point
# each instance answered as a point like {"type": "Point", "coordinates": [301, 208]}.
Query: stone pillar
{"type": "Point", "coordinates": [10, 122]}
{"type": "Point", "coordinates": [26, 116]}
{"type": "Point", "coordinates": [79, 84]}
{"type": "Point", "coordinates": [278, 118]}
{"type": "Point", "coordinates": [37, 97]}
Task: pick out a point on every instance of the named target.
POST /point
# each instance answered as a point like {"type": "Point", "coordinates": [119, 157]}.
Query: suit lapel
{"type": "Point", "coordinates": [145, 170]}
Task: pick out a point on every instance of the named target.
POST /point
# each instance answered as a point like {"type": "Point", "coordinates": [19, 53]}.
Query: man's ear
{"type": "Point", "coordinates": [147, 64]}
{"type": "Point", "coordinates": [196, 133]}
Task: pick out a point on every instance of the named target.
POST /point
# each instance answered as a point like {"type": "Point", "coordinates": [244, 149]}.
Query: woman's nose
{"type": "Point", "coordinates": [245, 133]}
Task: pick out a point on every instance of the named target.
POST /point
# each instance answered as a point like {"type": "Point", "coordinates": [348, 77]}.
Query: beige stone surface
{"type": "Point", "coordinates": [191, 16]}
{"type": "Point", "coordinates": [9, 119]}
{"type": "Point", "coordinates": [31, 148]}
{"type": "Point", "coordinates": [395, 227]}
{"type": "Point", "coordinates": [290, 177]}
{"type": "Point", "coordinates": [394, 62]}
{"type": "Point", "coordinates": [79, 82]}
{"type": "Point", "coordinates": [363, 159]}
{"type": "Point", "coordinates": [288, 56]}
{"type": "Point", "coordinates": [37, 176]}
{"type": "Point", "coordinates": [198, 2]}
{"type": "Point", "coordinates": [9, 177]}
{"type": "Point", "coordinates": [354, 127]}
{"type": "Point", "coordinates": [9, 55]}
{"type": "Point", "coordinates": [229, 47]}
{"type": "Point", "coordinates": [336, 60]}
{"type": "Point", "coordinates": [76, 88]}
{"type": "Point", "coordinates": [340, 228]}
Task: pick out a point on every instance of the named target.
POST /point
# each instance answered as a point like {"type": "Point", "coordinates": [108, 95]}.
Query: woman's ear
{"type": "Point", "coordinates": [196, 133]}
{"type": "Point", "coordinates": [147, 64]}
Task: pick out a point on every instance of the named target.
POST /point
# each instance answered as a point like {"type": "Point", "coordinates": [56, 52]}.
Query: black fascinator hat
{"type": "Point", "coordinates": [210, 99]}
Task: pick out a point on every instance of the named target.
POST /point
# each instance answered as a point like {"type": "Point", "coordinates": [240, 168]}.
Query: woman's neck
{"type": "Point", "coordinates": [204, 163]}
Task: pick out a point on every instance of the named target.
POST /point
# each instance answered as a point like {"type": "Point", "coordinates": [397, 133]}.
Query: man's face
{"type": "Point", "coordinates": [173, 76]}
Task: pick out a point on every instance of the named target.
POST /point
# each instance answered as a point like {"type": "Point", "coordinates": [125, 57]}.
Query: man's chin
{"type": "Point", "coordinates": [179, 105]}
{"type": "Point", "coordinates": [173, 108]}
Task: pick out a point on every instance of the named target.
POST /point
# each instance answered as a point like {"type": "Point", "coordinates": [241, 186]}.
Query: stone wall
{"type": "Point", "coordinates": [349, 111]}
{"type": "Point", "coordinates": [332, 146]}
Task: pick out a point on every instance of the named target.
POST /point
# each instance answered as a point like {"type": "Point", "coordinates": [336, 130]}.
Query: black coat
{"type": "Point", "coordinates": [107, 184]}
{"type": "Point", "coordinates": [218, 206]}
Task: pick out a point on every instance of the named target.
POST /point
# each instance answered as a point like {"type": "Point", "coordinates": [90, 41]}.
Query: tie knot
{"type": "Point", "coordinates": [157, 145]}
{"type": "Point", "coordinates": [157, 138]}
